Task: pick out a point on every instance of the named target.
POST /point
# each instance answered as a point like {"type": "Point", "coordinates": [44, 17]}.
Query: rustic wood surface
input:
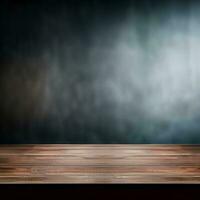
{"type": "Point", "coordinates": [99, 163]}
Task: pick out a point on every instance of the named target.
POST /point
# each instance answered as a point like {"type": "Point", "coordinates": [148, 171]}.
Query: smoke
{"type": "Point", "coordinates": [130, 78]}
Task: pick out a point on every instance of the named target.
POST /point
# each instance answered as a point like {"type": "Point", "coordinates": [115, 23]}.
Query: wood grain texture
{"type": "Point", "coordinates": [99, 163]}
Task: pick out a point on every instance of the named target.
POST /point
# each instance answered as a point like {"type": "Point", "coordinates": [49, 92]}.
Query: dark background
{"type": "Point", "coordinates": [97, 71]}
{"type": "Point", "coordinates": [117, 191]}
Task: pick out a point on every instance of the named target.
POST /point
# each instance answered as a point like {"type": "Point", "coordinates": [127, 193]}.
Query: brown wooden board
{"type": "Point", "coordinates": [62, 163]}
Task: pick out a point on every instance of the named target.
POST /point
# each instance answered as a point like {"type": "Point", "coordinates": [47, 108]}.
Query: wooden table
{"type": "Point", "coordinates": [99, 163]}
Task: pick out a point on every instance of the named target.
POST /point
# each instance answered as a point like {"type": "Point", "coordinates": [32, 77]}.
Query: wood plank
{"type": "Point", "coordinates": [60, 163]}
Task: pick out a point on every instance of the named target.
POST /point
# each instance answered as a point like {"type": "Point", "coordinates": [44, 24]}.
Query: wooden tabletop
{"type": "Point", "coordinates": [99, 163]}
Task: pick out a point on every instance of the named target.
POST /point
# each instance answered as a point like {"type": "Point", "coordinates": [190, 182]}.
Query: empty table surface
{"type": "Point", "coordinates": [70, 163]}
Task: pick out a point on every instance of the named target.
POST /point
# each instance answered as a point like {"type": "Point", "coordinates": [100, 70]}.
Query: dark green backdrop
{"type": "Point", "coordinates": [97, 71]}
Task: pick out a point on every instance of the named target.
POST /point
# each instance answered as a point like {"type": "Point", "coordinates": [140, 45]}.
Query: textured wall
{"type": "Point", "coordinates": [100, 71]}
